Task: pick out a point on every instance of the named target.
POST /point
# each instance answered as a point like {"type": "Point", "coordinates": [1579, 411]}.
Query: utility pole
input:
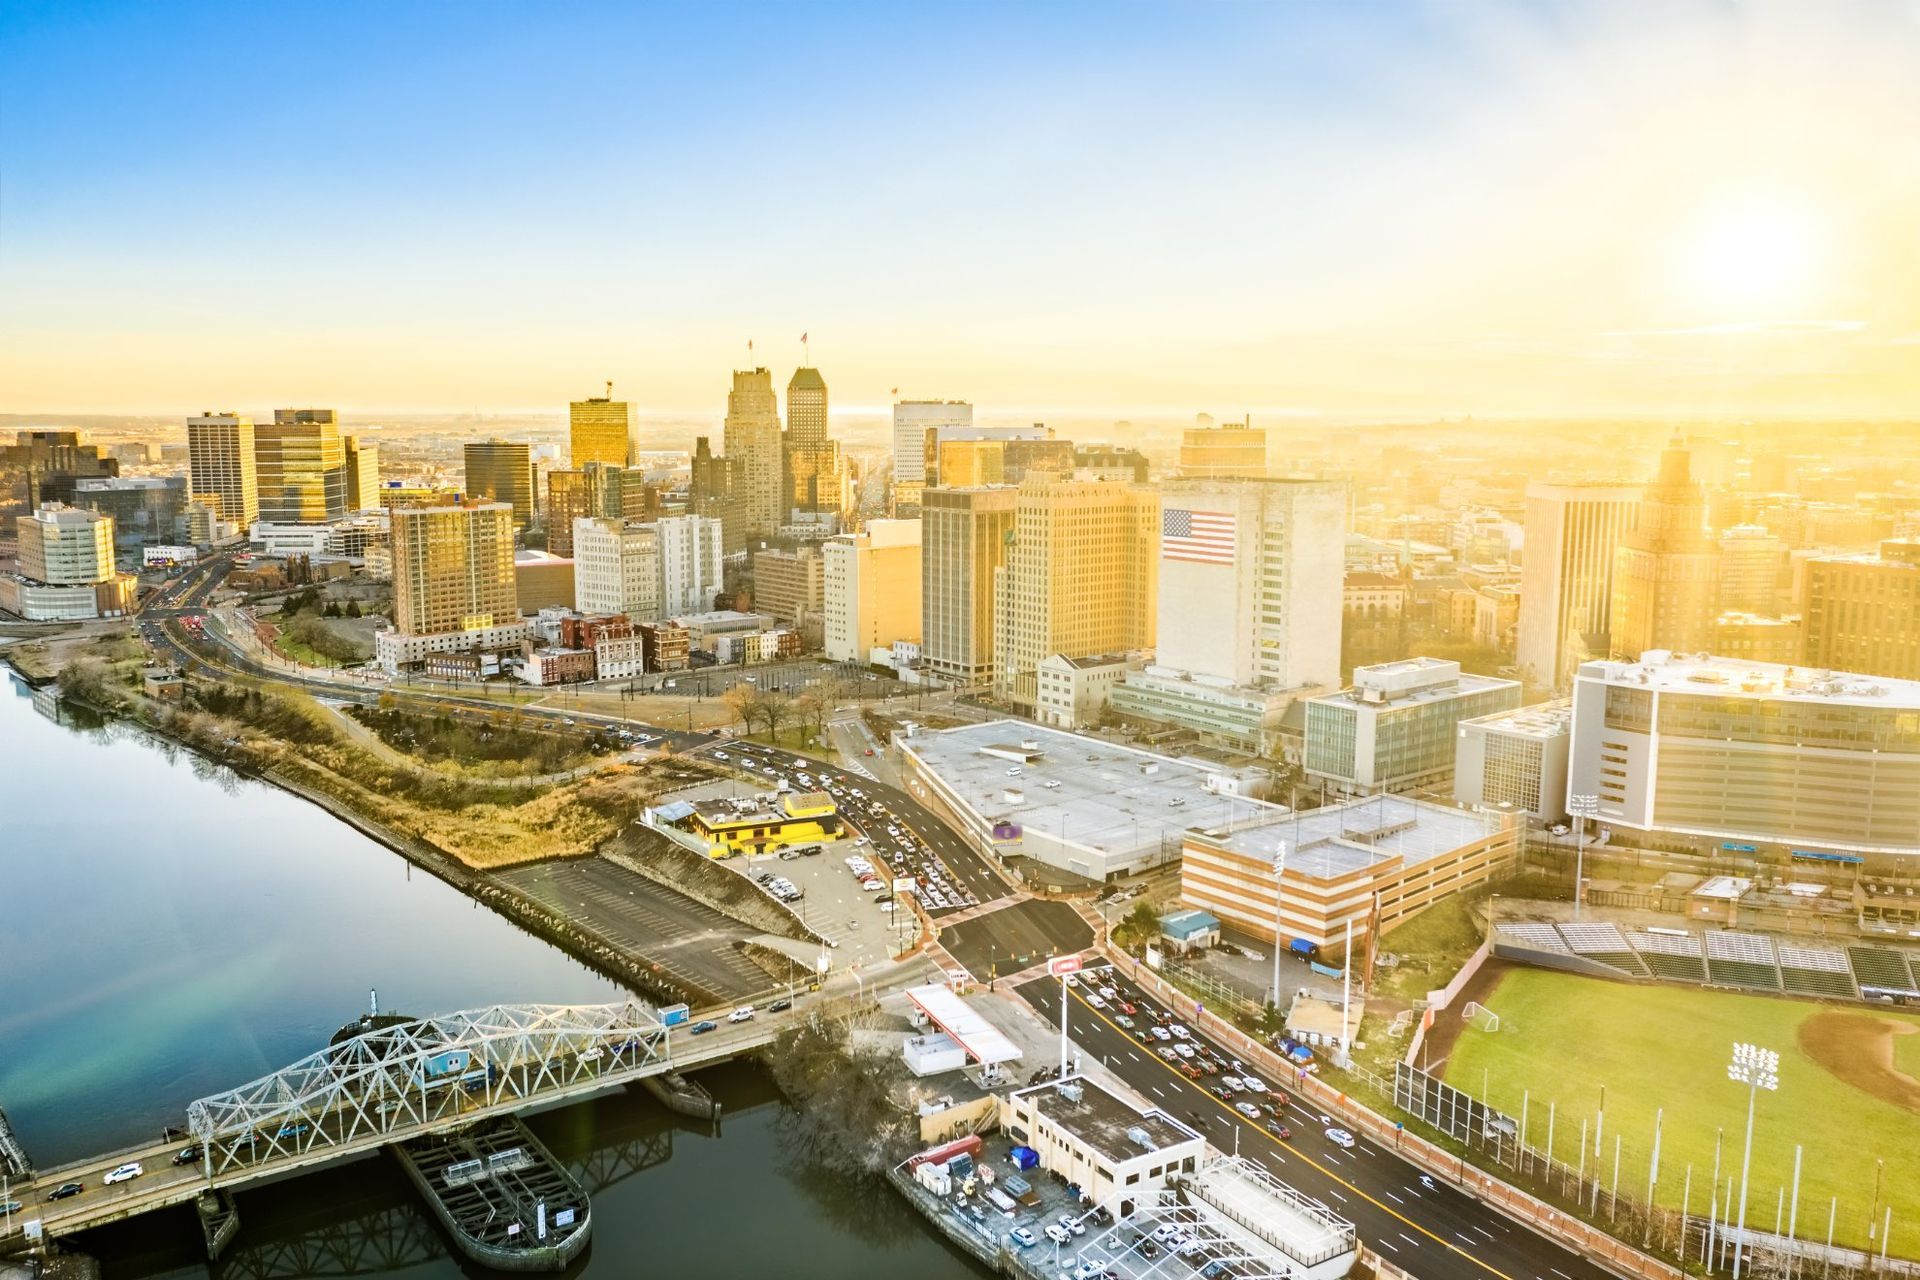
{"type": "Point", "coordinates": [1758, 1069]}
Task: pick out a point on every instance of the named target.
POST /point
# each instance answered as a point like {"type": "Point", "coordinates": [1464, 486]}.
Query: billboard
{"type": "Point", "coordinates": [1060, 966]}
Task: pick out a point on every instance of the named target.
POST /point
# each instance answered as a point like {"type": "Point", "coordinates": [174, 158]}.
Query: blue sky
{"type": "Point", "coordinates": [1334, 208]}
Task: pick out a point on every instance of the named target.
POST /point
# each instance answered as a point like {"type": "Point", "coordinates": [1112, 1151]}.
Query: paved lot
{"type": "Point", "coordinates": [1008, 939]}
{"type": "Point", "coordinates": [835, 906]}
{"type": "Point", "coordinates": [688, 940]}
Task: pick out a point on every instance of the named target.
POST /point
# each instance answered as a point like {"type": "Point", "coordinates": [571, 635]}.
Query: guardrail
{"type": "Point", "coordinates": [1528, 1210]}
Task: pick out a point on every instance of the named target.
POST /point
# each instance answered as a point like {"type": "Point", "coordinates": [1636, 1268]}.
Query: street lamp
{"type": "Point", "coordinates": [1279, 872]}
{"type": "Point", "coordinates": [1581, 808]}
{"type": "Point", "coordinates": [1757, 1069]}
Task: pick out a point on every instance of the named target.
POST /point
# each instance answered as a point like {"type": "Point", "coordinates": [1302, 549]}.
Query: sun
{"type": "Point", "coordinates": [1751, 256]}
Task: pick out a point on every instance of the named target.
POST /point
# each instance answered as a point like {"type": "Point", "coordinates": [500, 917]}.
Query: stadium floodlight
{"type": "Point", "coordinates": [1758, 1069]}
{"type": "Point", "coordinates": [1582, 808]}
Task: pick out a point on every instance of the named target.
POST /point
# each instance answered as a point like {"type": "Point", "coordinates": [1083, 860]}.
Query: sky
{"type": "Point", "coordinates": [1324, 210]}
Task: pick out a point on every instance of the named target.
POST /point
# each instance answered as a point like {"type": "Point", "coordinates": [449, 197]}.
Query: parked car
{"type": "Point", "coordinates": [1020, 1236]}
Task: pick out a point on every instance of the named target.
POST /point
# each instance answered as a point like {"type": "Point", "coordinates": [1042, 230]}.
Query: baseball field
{"type": "Point", "coordinates": [1849, 1092]}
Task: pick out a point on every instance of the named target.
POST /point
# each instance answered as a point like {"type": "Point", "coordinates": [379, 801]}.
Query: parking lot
{"type": "Point", "coordinates": [855, 922]}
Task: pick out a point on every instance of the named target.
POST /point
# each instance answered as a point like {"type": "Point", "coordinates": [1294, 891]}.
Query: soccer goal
{"type": "Point", "coordinates": [1481, 1016]}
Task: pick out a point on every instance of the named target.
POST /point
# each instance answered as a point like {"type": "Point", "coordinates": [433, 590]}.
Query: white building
{"type": "Point", "coordinates": [1566, 575]}
{"type": "Point", "coordinates": [690, 554]}
{"type": "Point", "coordinates": [1517, 761]}
{"type": "Point", "coordinates": [620, 657]}
{"type": "Point", "coordinates": [1711, 753]}
{"type": "Point", "coordinates": [1118, 1155]}
{"type": "Point", "coordinates": [1072, 692]}
{"type": "Point", "coordinates": [911, 418]}
{"type": "Point", "coordinates": [616, 568]}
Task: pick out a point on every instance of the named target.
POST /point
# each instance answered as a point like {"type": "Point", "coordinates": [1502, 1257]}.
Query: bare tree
{"type": "Point", "coordinates": [743, 700]}
{"type": "Point", "coordinates": [776, 708]}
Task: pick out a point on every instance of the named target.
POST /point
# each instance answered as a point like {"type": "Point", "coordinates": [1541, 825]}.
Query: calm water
{"type": "Point", "coordinates": [170, 931]}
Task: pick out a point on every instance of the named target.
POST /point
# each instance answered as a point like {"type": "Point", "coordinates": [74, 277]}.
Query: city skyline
{"type": "Point", "coordinates": [1501, 209]}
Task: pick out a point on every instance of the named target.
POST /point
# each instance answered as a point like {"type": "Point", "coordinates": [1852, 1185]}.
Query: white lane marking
{"type": "Point", "coordinates": [1396, 1199]}
{"type": "Point", "coordinates": [1482, 1230]}
{"type": "Point", "coordinates": [1156, 1090]}
{"type": "Point", "coordinates": [1389, 1244]}
{"type": "Point", "coordinates": [1557, 1271]}
{"type": "Point", "coordinates": [1467, 1240]}
{"type": "Point", "coordinates": [1336, 1195]}
{"type": "Point", "coordinates": [1415, 1243]}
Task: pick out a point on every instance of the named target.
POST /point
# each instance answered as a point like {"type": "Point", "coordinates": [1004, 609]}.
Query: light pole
{"type": "Point", "coordinates": [1581, 808]}
{"type": "Point", "coordinates": [1279, 872]}
{"type": "Point", "coordinates": [1757, 1069]}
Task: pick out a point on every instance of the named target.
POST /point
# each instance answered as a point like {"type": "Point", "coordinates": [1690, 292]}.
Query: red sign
{"type": "Point", "coordinates": [1062, 965]}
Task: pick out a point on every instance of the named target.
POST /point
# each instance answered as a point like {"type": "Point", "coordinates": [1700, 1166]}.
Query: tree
{"type": "Point", "coordinates": [1139, 926]}
{"type": "Point", "coordinates": [776, 708]}
{"type": "Point", "coordinates": [813, 711]}
{"type": "Point", "coordinates": [353, 608]}
{"type": "Point", "coordinates": [849, 1116]}
{"type": "Point", "coordinates": [743, 700]}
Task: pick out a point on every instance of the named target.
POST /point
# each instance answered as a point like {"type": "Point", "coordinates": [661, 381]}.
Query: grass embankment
{"type": "Point", "coordinates": [1847, 1090]}
{"type": "Point", "coordinates": [503, 747]}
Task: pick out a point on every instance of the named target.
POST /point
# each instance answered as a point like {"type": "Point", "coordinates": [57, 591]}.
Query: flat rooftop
{"type": "Point", "coordinates": [1112, 799]}
{"type": "Point", "coordinates": [1105, 1123]}
{"type": "Point", "coordinates": [1341, 839]}
{"type": "Point", "coordinates": [1738, 678]}
{"type": "Point", "coordinates": [1542, 720]}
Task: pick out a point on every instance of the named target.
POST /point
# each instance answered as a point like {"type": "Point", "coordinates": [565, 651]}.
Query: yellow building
{"type": "Point", "coordinates": [967, 464]}
{"type": "Point", "coordinates": [1665, 577]}
{"type": "Point", "coordinates": [502, 471]}
{"type": "Point", "coordinates": [761, 824]}
{"type": "Point", "coordinates": [1221, 453]}
{"type": "Point", "coordinates": [597, 430]}
{"type": "Point", "coordinates": [872, 589]}
{"type": "Point", "coordinates": [1080, 576]}
{"type": "Point", "coordinates": [964, 544]}
{"type": "Point", "coordinates": [300, 467]}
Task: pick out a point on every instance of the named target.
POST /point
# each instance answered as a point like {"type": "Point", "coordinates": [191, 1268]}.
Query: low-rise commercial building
{"type": "Point", "coordinates": [1220, 712]}
{"type": "Point", "coordinates": [1073, 691]}
{"type": "Point", "coordinates": [558, 666]}
{"type": "Point", "coordinates": [1395, 728]}
{"type": "Point", "coordinates": [1118, 1155]}
{"type": "Point", "coordinates": [667, 645]}
{"type": "Point", "coordinates": [763, 824]}
{"type": "Point", "coordinates": [1517, 761]}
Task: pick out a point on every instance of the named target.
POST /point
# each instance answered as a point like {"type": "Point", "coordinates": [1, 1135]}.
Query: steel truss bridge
{"type": "Point", "coordinates": [384, 1085]}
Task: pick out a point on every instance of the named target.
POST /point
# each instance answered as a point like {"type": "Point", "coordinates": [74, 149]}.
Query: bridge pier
{"type": "Point", "coordinates": [219, 1220]}
{"type": "Point", "coordinates": [678, 1094]}
{"type": "Point", "coordinates": [500, 1194]}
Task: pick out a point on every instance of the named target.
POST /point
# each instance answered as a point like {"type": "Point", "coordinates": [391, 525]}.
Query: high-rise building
{"type": "Point", "coordinates": [453, 583]}
{"type": "Point", "coordinates": [812, 460]}
{"type": "Point", "coordinates": [616, 568]}
{"type": "Point", "coordinates": [566, 502]}
{"type": "Point", "coordinates": [1752, 563]}
{"type": "Point", "coordinates": [220, 465]}
{"type": "Point", "coordinates": [1079, 578]}
{"type": "Point", "coordinates": [969, 464]}
{"type": "Point", "coordinates": [1219, 453]}
{"type": "Point", "coordinates": [44, 466]}
{"type": "Point", "coordinates": [1396, 728]}
{"type": "Point", "coordinates": [1252, 573]}
{"type": "Point", "coordinates": [691, 562]}
{"type": "Point", "coordinates": [66, 546]}
{"type": "Point", "coordinates": [300, 467]}
{"type": "Point", "coordinates": [144, 508]}
{"type": "Point", "coordinates": [752, 443]}
{"type": "Point", "coordinates": [872, 589]}
{"type": "Point", "coordinates": [790, 585]}
{"type": "Point", "coordinates": [1862, 612]}
{"type": "Point", "coordinates": [363, 473]}
{"type": "Point", "coordinates": [1793, 762]}
{"type": "Point", "coordinates": [599, 429]}
{"type": "Point", "coordinates": [595, 491]}
{"type": "Point", "coordinates": [806, 409]}
{"type": "Point", "coordinates": [1573, 532]}
{"type": "Point", "coordinates": [912, 419]}
{"type": "Point", "coordinates": [964, 542]}
{"type": "Point", "coordinates": [1664, 575]}
{"type": "Point", "coordinates": [502, 471]}
{"type": "Point", "coordinates": [1516, 761]}
{"type": "Point", "coordinates": [1110, 462]}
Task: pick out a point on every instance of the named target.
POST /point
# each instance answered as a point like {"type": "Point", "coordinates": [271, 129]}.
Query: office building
{"type": "Point", "coordinates": [690, 563]}
{"type": "Point", "coordinates": [44, 466]}
{"type": "Point", "coordinates": [1709, 753]}
{"type": "Point", "coordinates": [1079, 578]}
{"type": "Point", "coordinates": [1110, 462]}
{"type": "Point", "coordinates": [66, 568]}
{"type": "Point", "coordinates": [1516, 761]}
{"type": "Point", "coordinates": [751, 440]}
{"type": "Point", "coordinates": [1573, 535]}
{"type": "Point", "coordinates": [599, 429]}
{"type": "Point", "coordinates": [1753, 637]}
{"type": "Point", "coordinates": [1753, 564]}
{"type": "Point", "coordinates": [144, 508]}
{"type": "Point", "coordinates": [1396, 728]}
{"type": "Point", "coordinates": [1221, 453]}
{"type": "Point", "coordinates": [964, 543]}
{"type": "Point", "coordinates": [912, 419]}
{"type": "Point", "coordinates": [872, 589]}
{"type": "Point", "coordinates": [1369, 863]}
{"type": "Point", "coordinates": [1117, 1155]}
{"type": "Point", "coordinates": [300, 467]}
{"type": "Point", "coordinates": [812, 460]}
{"type": "Point", "coordinates": [596, 491]}
{"type": "Point", "coordinates": [502, 471]}
{"type": "Point", "coordinates": [220, 466]}
{"type": "Point", "coordinates": [542, 580]}
{"type": "Point", "coordinates": [1665, 583]}
{"type": "Point", "coordinates": [616, 568]}
{"type": "Point", "coordinates": [970, 464]}
{"type": "Point", "coordinates": [1072, 693]}
{"type": "Point", "coordinates": [1862, 612]}
{"type": "Point", "coordinates": [363, 473]}
{"type": "Point", "coordinates": [566, 502]}
{"type": "Point", "coordinates": [453, 584]}
{"type": "Point", "coordinates": [791, 585]}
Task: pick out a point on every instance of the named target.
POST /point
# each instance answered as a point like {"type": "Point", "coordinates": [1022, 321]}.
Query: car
{"type": "Point", "coordinates": [1161, 1033]}
{"type": "Point", "coordinates": [1164, 1233]}
{"type": "Point", "coordinates": [1166, 1051]}
{"type": "Point", "coordinates": [293, 1130]}
{"type": "Point", "coordinates": [1180, 1031]}
{"type": "Point", "coordinates": [1109, 993]}
{"type": "Point", "coordinates": [64, 1190]}
{"type": "Point", "coordinates": [867, 752]}
{"type": "Point", "coordinates": [1254, 1084]}
{"type": "Point", "coordinates": [743, 1014]}
{"type": "Point", "coordinates": [1126, 1006]}
{"type": "Point", "coordinates": [1124, 1021]}
{"type": "Point", "coordinates": [1057, 1233]}
{"type": "Point", "coordinates": [1072, 1223]}
{"type": "Point", "coordinates": [719, 755]}
{"type": "Point", "coordinates": [9, 1207]}
{"type": "Point", "coordinates": [1190, 1071]}
{"type": "Point", "coordinates": [1279, 1130]}
{"type": "Point", "coordinates": [780, 1006]}
{"type": "Point", "coordinates": [124, 1173]}
{"type": "Point", "coordinates": [1050, 784]}
{"type": "Point", "coordinates": [592, 1053]}
{"type": "Point", "coordinates": [1248, 1109]}
{"type": "Point", "coordinates": [1223, 1091]}
{"type": "Point", "coordinates": [1021, 1236]}
{"type": "Point", "coordinates": [1096, 1002]}
{"type": "Point", "coordinates": [812, 851]}
{"type": "Point", "coordinates": [788, 855]}
{"type": "Point", "coordinates": [701, 1028]}
{"type": "Point", "coordinates": [187, 1155]}
{"type": "Point", "coordinates": [1340, 1138]}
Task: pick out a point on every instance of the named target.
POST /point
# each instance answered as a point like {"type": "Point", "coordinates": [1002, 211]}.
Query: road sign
{"type": "Point", "coordinates": [903, 884]}
{"type": "Point", "coordinates": [1060, 966]}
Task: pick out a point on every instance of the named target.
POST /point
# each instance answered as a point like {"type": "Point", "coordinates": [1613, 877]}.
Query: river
{"type": "Point", "coordinates": [171, 930]}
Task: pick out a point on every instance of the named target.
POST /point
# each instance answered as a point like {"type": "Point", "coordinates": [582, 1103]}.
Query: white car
{"type": "Point", "coordinates": [125, 1173]}
{"type": "Point", "coordinates": [1096, 1002]}
{"type": "Point", "coordinates": [1161, 1033]}
{"type": "Point", "coordinates": [719, 755]}
{"type": "Point", "coordinates": [1057, 1233]}
{"type": "Point", "coordinates": [1184, 1050]}
{"type": "Point", "coordinates": [1254, 1084]}
{"type": "Point", "coordinates": [1179, 1030]}
{"type": "Point", "coordinates": [1340, 1138]}
{"type": "Point", "coordinates": [1050, 784]}
{"type": "Point", "coordinates": [743, 1014]}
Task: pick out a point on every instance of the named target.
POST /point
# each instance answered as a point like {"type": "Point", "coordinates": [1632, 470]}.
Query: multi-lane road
{"type": "Point", "coordinates": [1425, 1227]}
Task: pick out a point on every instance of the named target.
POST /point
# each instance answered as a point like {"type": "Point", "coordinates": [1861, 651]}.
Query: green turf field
{"type": "Point", "coordinates": [1563, 1037]}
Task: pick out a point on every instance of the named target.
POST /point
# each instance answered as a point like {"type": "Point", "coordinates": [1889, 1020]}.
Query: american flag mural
{"type": "Point", "coordinates": [1197, 537]}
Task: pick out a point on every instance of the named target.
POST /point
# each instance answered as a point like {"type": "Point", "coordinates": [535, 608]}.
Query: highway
{"type": "Point", "coordinates": [1434, 1232]}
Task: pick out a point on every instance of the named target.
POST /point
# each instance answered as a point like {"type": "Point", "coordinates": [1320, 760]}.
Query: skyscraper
{"type": "Point", "coordinates": [44, 466]}
{"type": "Point", "coordinates": [964, 536]}
{"type": "Point", "coordinates": [813, 460]}
{"type": "Point", "coordinates": [1664, 576]}
{"type": "Point", "coordinates": [599, 430]}
{"type": "Point", "coordinates": [502, 471]}
{"type": "Point", "coordinates": [1079, 578]}
{"type": "Point", "coordinates": [872, 592]}
{"type": "Point", "coordinates": [806, 409]}
{"type": "Point", "coordinates": [593, 491]}
{"type": "Point", "coordinates": [912, 420]}
{"type": "Point", "coordinates": [616, 568]}
{"type": "Point", "coordinates": [1217, 453]}
{"type": "Point", "coordinates": [752, 444]}
{"type": "Point", "coordinates": [220, 465]}
{"type": "Point", "coordinates": [453, 583]}
{"type": "Point", "coordinates": [1566, 578]}
{"type": "Point", "coordinates": [300, 467]}
{"type": "Point", "coordinates": [363, 473]}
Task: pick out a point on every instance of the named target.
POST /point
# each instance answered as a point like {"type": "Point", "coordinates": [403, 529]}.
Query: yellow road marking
{"type": "Point", "coordinates": [1296, 1151]}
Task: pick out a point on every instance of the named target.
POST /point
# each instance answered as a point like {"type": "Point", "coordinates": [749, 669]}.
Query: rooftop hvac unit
{"type": "Point", "coordinates": [1139, 1137]}
{"type": "Point", "coordinates": [1071, 1092]}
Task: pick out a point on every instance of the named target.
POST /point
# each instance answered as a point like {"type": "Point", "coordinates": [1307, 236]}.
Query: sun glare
{"type": "Point", "coordinates": [1753, 255]}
